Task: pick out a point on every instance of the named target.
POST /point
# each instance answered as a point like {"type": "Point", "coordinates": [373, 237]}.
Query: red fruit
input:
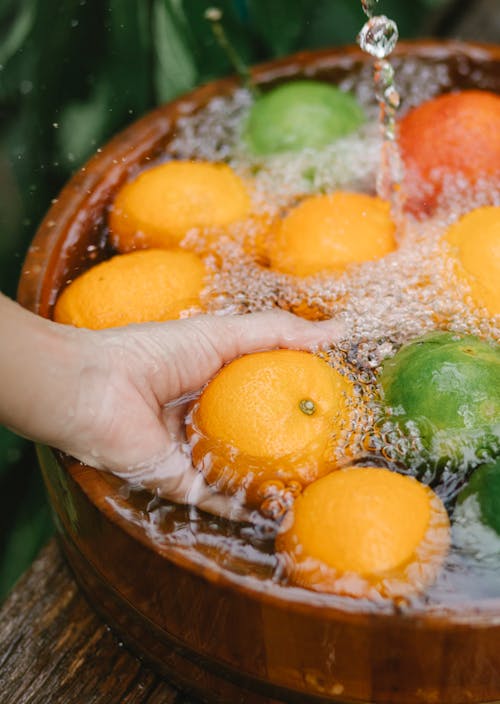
{"type": "Point", "coordinates": [456, 134]}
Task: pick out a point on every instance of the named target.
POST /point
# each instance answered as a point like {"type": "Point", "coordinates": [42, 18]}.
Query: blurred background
{"type": "Point", "coordinates": [73, 72]}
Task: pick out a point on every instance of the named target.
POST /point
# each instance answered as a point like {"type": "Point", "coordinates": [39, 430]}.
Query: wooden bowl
{"type": "Point", "coordinates": [223, 634]}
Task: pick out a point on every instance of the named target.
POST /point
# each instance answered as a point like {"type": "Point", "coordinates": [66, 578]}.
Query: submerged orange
{"type": "Point", "coordinates": [162, 204]}
{"type": "Point", "coordinates": [330, 232]}
{"type": "Point", "coordinates": [268, 416]}
{"type": "Point", "coordinates": [365, 532]}
{"type": "Point", "coordinates": [150, 285]}
{"type": "Point", "coordinates": [474, 242]}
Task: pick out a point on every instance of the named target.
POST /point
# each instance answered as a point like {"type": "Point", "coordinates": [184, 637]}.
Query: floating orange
{"type": "Point", "coordinates": [330, 232]}
{"type": "Point", "coordinates": [365, 532]}
{"type": "Point", "coordinates": [161, 205]}
{"type": "Point", "coordinates": [268, 416]}
{"type": "Point", "coordinates": [151, 285]}
{"type": "Point", "coordinates": [475, 244]}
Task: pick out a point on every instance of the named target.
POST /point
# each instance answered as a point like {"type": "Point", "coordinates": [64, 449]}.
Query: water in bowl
{"type": "Point", "coordinates": [383, 304]}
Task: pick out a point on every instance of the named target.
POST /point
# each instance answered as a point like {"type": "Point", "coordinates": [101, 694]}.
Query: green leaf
{"type": "Point", "coordinates": [17, 34]}
{"type": "Point", "coordinates": [175, 70]}
{"type": "Point", "coordinates": [30, 528]}
{"type": "Point", "coordinates": [11, 213]}
{"type": "Point", "coordinates": [333, 23]}
{"type": "Point", "coordinates": [83, 125]}
{"type": "Point", "coordinates": [127, 64]}
{"type": "Point", "coordinates": [25, 523]}
{"type": "Point", "coordinates": [280, 23]}
{"type": "Point", "coordinates": [211, 60]}
{"type": "Point", "coordinates": [434, 3]}
{"type": "Point", "coordinates": [11, 450]}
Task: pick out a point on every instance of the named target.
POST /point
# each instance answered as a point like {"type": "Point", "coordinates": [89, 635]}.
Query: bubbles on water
{"type": "Point", "coordinates": [213, 132]}
{"type": "Point", "coordinates": [473, 536]}
{"type": "Point", "coordinates": [350, 162]}
{"type": "Point", "coordinates": [383, 303]}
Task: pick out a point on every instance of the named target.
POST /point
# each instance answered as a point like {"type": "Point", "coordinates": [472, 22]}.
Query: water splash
{"type": "Point", "coordinates": [379, 37]}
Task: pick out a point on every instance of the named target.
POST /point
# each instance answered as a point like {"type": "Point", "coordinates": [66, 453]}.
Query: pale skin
{"type": "Point", "coordinates": [103, 396]}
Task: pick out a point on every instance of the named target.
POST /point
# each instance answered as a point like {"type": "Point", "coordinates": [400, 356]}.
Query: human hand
{"type": "Point", "coordinates": [128, 418]}
{"type": "Point", "coordinates": [110, 398]}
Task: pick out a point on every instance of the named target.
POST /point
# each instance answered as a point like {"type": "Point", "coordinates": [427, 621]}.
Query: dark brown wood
{"type": "Point", "coordinates": [234, 638]}
{"type": "Point", "coordinates": [54, 649]}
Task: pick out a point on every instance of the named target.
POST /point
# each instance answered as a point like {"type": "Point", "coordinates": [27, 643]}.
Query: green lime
{"type": "Point", "coordinates": [299, 115]}
{"type": "Point", "coordinates": [447, 386]}
{"type": "Point", "coordinates": [485, 486]}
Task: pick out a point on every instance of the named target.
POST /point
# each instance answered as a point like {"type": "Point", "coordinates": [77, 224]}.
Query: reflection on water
{"type": "Point", "coordinates": [246, 551]}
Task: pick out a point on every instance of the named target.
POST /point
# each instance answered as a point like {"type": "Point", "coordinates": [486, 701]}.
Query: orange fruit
{"type": "Point", "coordinates": [457, 134]}
{"type": "Point", "coordinates": [150, 285]}
{"type": "Point", "coordinates": [474, 242]}
{"type": "Point", "coordinates": [329, 232]}
{"type": "Point", "coordinates": [165, 202]}
{"type": "Point", "coordinates": [365, 532]}
{"type": "Point", "coordinates": [269, 416]}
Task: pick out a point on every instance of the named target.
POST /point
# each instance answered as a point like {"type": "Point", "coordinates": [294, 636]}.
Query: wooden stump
{"type": "Point", "coordinates": [55, 650]}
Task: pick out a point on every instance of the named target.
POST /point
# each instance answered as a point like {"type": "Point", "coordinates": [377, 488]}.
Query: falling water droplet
{"type": "Point", "coordinates": [369, 7]}
{"type": "Point", "coordinates": [379, 36]}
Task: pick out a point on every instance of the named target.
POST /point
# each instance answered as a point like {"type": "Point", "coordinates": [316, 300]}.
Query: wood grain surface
{"type": "Point", "coordinates": [55, 650]}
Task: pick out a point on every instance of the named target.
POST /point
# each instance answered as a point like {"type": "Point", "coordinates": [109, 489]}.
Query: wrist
{"type": "Point", "coordinates": [39, 369]}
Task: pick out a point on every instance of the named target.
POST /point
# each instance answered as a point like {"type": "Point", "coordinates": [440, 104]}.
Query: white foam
{"type": "Point", "coordinates": [472, 535]}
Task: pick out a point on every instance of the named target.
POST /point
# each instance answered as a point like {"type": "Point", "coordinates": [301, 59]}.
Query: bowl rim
{"type": "Point", "coordinates": [58, 230]}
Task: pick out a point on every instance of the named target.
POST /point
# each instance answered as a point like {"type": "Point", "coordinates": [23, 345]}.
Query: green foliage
{"type": "Point", "coordinates": [175, 63]}
{"type": "Point", "coordinates": [72, 73]}
{"type": "Point", "coordinates": [281, 28]}
{"type": "Point", "coordinates": [25, 522]}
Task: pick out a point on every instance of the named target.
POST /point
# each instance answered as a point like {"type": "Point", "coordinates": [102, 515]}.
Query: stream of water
{"type": "Point", "coordinates": [378, 37]}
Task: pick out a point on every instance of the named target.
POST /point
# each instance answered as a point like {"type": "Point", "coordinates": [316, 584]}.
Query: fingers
{"type": "Point", "coordinates": [232, 336]}
{"type": "Point", "coordinates": [194, 350]}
